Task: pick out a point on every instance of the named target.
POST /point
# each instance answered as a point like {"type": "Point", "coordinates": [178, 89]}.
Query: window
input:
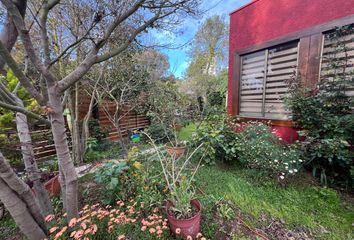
{"type": "Point", "coordinates": [339, 51]}
{"type": "Point", "coordinates": [263, 81]}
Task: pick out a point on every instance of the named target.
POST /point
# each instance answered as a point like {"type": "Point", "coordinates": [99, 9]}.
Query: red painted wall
{"type": "Point", "coordinates": [263, 20]}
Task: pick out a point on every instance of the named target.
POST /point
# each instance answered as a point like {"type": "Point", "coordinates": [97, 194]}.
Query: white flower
{"type": "Point", "coordinates": [300, 160]}
{"type": "Point", "coordinates": [286, 163]}
{"type": "Point", "coordinates": [286, 167]}
{"type": "Point", "coordinates": [295, 170]}
{"type": "Point", "coordinates": [281, 177]}
{"type": "Point", "coordinates": [290, 171]}
{"type": "Point", "coordinates": [275, 160]}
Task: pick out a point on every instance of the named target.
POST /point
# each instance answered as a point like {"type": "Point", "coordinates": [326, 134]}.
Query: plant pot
{"type": "Point", "coordinates": [177, 127]}
{"type": "Point", "coordinates": [175, 152]}
{"type": "Point", "coordinates": [53, 185]}
{"type": "Point", "coordinates": [189, 227]}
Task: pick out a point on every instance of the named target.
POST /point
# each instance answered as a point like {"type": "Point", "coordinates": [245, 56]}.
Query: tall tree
{"type": "Point", "coordinates": [107, 20]}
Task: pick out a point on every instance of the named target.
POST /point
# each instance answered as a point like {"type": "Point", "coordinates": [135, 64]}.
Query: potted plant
{"type": "Point", "coordinates": [176, 149]}
{"type": "Point", "coordinates": [183, 210]}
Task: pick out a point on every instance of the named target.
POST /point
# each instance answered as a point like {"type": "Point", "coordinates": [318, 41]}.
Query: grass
{"type": "Point", "coordinates": [186, 133]}
{"type": "Point", "coordinates": [314, 208]}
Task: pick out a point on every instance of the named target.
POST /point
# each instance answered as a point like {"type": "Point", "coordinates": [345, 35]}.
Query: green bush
{"type": "Point", "coordinates": [260, 148]}
{"type": "Point", "coordinates": [161, 133]}
{"type": "Point", "coordinates": [326, 115]}
{"type": "Point", "coordinates": [110, 175]}
{"type": "Point", "coordinates": [219, 138]}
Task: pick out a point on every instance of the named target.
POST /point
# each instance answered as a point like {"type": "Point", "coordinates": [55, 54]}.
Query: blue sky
{"type": "Point", "coordinates": [178, 57]}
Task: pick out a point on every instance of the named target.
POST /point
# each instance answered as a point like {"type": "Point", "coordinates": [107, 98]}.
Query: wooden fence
{"type": "Point", "coordinates": [42, 136]}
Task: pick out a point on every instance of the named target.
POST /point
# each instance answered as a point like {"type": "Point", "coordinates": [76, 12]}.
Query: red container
{"type": "Point", "coordinates": [175, 152]}
{"type": "Point", "coordinates": [53, 185]}
{"type": "Point", "coordinates": [189, 227]}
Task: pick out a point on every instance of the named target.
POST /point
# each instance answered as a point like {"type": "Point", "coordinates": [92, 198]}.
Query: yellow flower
{"type": "Point", "coordinates": [137, 165]}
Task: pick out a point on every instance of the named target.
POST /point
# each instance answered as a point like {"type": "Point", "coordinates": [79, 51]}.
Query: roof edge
{"type": "Point", "coordinates": [242, 7]}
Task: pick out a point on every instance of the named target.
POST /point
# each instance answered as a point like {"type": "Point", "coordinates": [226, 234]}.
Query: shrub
{"type": "Point", "coordinates": [109, 175]}
{"type": "Point", "coordinates": [219, 138]}
{"type": "Point", "coordinates": [260, 148]}
{"type": "Point", "coordinates": [161, 133]}
{"type": "Point", "coordinates": [326, 115]}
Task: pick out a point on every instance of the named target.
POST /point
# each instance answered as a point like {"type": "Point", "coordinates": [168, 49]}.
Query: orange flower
{"type": "Point", "coordinates": [60, 233]}
{"type": "Point", "coordinates": [53, 229]}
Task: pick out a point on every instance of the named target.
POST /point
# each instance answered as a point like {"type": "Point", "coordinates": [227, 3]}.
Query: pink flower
{"type": "Point", "coordinates": [121, 237]}
{"type": "Point", "coordinates": [53, 229]}
{"type": "Point", "coordinates": [189, 238]}
{"type": "Point", "coordinates": [78, 234]}
{"type": "Point", "coordinates": [178, 231]}
{"type": "Point", "coordinates": [72, 222]}
{"type": "Point", "coordinates": [143, 228]}
{"type": "Point", "coordinates": [93, 228]}
{"type": "Point", "coordinates": [152, 230]}
{"type": "Point", "coordinates": [49, 218]}
{"type": "Point", "coordinates": [199, 235]}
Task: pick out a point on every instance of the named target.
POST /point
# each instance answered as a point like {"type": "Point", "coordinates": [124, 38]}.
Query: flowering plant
{"type": "Point", "coordinates": [97, 222]}
{"type": "Point", "coordinates": [260, 148]}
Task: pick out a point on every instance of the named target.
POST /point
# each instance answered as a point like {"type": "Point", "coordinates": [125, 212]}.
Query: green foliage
{"type": "Point", "coordinates": [259, 148]}
{"type": "Point", "coordinates": [109, 176]}
{"type": "Point", "coordinates": [326, 116]}
{"type": "Point", "coordinates": [160, 133]}
{"type": "Point", "coordinates": [300, 206]}
{"type": "Point", "coordinates": [219, 138]}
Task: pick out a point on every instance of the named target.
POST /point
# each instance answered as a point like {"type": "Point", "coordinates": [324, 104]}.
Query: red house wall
{"type": "Point", "coordinates": [263, 20]}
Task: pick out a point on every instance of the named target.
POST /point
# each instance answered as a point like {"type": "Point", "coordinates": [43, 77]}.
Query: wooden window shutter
{"type": "Point", "coordinates": [282, 66]}
{"type": "Point", "coordinates": [343, 57]}
{"type": "Point", "coordinates": [264, 76]}
{"type": "Point", "coordinates": [252, 84]}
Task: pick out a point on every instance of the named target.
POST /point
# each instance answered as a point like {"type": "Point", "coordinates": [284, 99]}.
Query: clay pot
{"type": "Point", "coordinates": [189, 227]}
{"type": "Point", "coordinates": [53, 185]}
{"type": "Point", "coordinates": [178, 127]}
{"type": "Point", "coordinates": [175, 152]}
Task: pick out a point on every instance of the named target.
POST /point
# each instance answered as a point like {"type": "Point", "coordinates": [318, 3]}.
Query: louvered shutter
{"type": "Point", "coordinates": [264, 77]}
{"type": "Point", "coordinates": [282, 65]}
{"type": "Point", "coordinates": [342, 56]}
{"type": "Point", "coordinates": [252, 83]}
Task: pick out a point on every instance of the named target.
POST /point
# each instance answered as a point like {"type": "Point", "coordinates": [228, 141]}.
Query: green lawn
{"type": "Point", "coordinates": [186, 132]}
{"type": "Point", "coordinates": [318, 209]}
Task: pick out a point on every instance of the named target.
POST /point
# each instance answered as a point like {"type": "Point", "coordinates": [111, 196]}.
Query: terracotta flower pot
{"type": "Point", "coordinates": [53, 185]}
{"type": "Point", "coordinates": [189, 227]}
{"type": "Point", "coordinates": [175, 152]}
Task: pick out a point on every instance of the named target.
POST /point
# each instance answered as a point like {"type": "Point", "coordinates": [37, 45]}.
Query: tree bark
{"type": "Point", "coordinates": [20, 202]}
{"type": "Point", "coordinates": [20, 213]}
{"type": "Point", "coordinates": [30, 162]}
{"type": "Point", "coordinates": [67, 167]}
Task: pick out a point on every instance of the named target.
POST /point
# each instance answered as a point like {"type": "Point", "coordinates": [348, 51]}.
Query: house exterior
{"type": "Point", "coordinates": [272, 41]}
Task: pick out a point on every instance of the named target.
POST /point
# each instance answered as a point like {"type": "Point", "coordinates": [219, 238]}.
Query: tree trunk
{"type": "Point", "coordinates": [20, 202]}
{"type": "Point", "coordinates": [62, 148]}
{"type": "Point", "coordinates": [30, 162]}
{"type": "Point", "coordinates": [77, 151]}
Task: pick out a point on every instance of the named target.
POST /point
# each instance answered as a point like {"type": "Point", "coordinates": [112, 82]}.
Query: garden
{"type": "Point", "coordinates": [99, 140]}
